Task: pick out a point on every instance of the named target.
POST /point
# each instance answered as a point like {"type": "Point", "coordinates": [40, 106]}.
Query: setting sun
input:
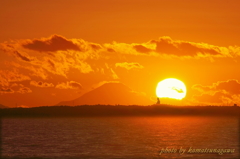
{"type": "Point", "coordinates": [98, 55]}
{"type": "Point", "coordinates": [171, 88]}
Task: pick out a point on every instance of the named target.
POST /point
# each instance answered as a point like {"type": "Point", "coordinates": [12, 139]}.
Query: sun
{"type": "Point", "coordinates": [171, 88]}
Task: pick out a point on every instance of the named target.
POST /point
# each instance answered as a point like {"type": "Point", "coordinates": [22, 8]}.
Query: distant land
{"type": "Point", "coordinates": [118, 110]}
{"type": "Point", "coordinates": [110, 93]}
{"type": "Point", "coordinates": [3, 106]}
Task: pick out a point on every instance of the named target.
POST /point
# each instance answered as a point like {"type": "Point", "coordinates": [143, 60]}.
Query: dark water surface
{"type": "Point", "coordinates": [117, 137]}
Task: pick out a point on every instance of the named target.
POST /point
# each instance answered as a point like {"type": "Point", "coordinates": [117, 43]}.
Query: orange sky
{"type": "Point", "coordinates": [57, 50]}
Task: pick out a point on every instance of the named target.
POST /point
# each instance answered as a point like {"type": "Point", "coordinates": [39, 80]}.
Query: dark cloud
{"type": "Point", "coordinates": [51, 63]}
{"type": "Point", "coordinates": [22, 57]}
{"type": "Point", "coordinates": [54, 43]}
{"type": "Point", "coordinates": [187, 48]}
{"type": "Point", "coordinates": [75, 84]}
{"type": "Point", "coordinates": [141, 49]}
{"type": "Point", "coordinates": [41, 84]}
{"type": "Point", "coordinates": [110, 50]}
{"type": "Point", "coordinates": [166, 45]}
{"type": "Point", "coordinates": [95, 46]}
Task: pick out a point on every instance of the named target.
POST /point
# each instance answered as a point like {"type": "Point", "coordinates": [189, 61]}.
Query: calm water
{"type": "Point", "coordinates": [117, 137]}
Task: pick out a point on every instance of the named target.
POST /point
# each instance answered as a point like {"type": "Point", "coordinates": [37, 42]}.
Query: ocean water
{"type": "Point", "coordinates": [118, 137]}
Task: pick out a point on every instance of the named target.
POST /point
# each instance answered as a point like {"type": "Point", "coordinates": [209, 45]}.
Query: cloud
{"type": "Point", "coordinates": [76, 85]}
{"type": "Point", "coordinates": [36, 71]}
{"type": "Point", "coordinates": [124, 48]}
{"type": "Point", "coordinates": [114, 75]}
{"type": "Point", "coordinates": [231, 86]}
{"type": "Point", "coordinates": [12, 76]}
{"type": "Point", "coordinates": [58, 63]}
{"type": "Point", "coordinates": [53, 43]}
{"type": "Point", "coordinates": [110, 50]}
{"type": "Point", "coordinates": [6, 90]}
{"type": "Point", "coordinates": [24, 90]}
{"type": "Point", "coordinates": [129, 66]}
{"type": "Point", "coordinates": [201, 88]}
{"type": "Point", "coordinates": [22, 57]}
{"type": "Point", "coordinates": [226, 92]}
{"type": "Point", "coordinates": [41, 84]}
{"type": "Point", "coordinates": [95, 46]}
{"type": "Point", "coordinates": [69, 85]}
{"type": "Point", "coordinates": [55, 67]}
{"type": "Point", "coordinates": [142, 49]}
{"type": "Point", "coordinates": [65, 60]}
{"type": "Point", "coordinates": [7, 79]}
{"type": "Point", "coordinates": [165, 45]}
{"type": "Point", "coordinates": [14, 88]}
{"type": "Point", "coordinates": [80, 49]}
{"type": "Point", "coordinates": [80, 65]}
{"type": "Point", "coordinates": [3, 81]}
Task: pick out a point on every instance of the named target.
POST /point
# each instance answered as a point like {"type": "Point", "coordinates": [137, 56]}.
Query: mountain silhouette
{"type": "Point", "coordinates": [3, 106]}
{"type": "Point", "coordinates": [110, 94]}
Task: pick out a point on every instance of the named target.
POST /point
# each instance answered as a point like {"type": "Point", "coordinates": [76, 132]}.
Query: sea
{"type": "Point", "coordinates": [120, 137]}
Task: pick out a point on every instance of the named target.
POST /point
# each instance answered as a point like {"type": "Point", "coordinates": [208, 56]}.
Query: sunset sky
{"type": "Point", "coordinates": [57, 50]}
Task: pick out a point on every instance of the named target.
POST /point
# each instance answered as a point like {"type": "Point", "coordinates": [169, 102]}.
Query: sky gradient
{"type": "Point", "coordinates": [53, 51]}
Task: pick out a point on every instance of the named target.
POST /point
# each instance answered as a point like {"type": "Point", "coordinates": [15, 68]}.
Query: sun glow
{"type": "Point", "coordinates": [171, 88]}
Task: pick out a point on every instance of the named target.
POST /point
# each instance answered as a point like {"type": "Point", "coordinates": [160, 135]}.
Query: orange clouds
{"type": "Point", "coordinates": [231, 86]}
{"type": "Point", "coordinates": [69, 85]}
{"type": "Point", "coordinates": [80, 50]}
{"type": "Point", "coordinates": [12, 76]}
{"type": "Point", "coordinates": [24, 89]}
{"type": "Point", "coordinates": [35, 71]}
{"type": "Point", "coordinates": [142, 49]}
{"type": "Point", "coordinates": [114, 75]}
{"type": "Point", "coordinates": [41, 84]}
{"type": "Point", "coordinates": [129, 66]}
{"type": "Point", "coordinates": [14, 88]}
{"type": "Point", "coordinates": [6, 90]}
{"type": "Point", "coordinates": [65, 57]}
{"type": "Point", "coordinates": [227, 92]}
{"type": "Point", "coordinates": [54, 43]}
{"type": "Point", "coordinates": [7, 79]}
{"type": "Point", "coordinates": [166, 45]}
{"type": "Point", "coordinates": [22, 57]}
{"type": "Point", "coordinates": [140, 65]}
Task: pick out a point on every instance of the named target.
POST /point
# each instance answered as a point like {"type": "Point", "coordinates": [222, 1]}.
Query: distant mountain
{"type": "Point", "coordinates": [3, 106]}
{"type": "Point", "coordinates": [112, 94]}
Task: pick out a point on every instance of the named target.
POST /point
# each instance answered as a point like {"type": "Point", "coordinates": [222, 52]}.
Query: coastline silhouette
{"type": "Point", "coordinates": [120, 110]}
